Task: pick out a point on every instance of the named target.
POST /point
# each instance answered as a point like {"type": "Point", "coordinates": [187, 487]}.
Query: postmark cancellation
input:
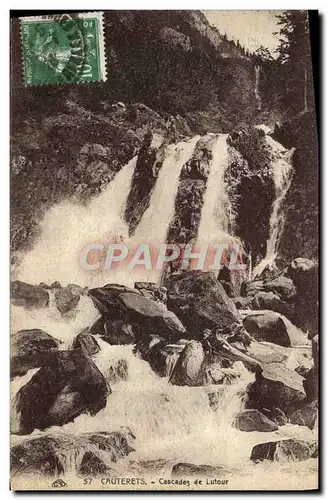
{"type": "Point", "coordinates": [66, 48]}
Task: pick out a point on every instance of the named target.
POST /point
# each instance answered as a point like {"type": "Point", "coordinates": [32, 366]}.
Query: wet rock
{"type": "Point", "coordinates": [282, 286]}
{"type": "Point", "coordinates": [304, 273]}
{"type": "Point", "coordinates": [117, 443]}
{"type": "Point", "coordinates": [306, 415]}
{"type": "Point", "coordinates": [162, 357]}
{"type": "Point", "coordinates": [242, 302]}
{"type": "Point", "coordinates": [221, 376]}
{"type": "Point", "coordinates": [26, 295]}
{"type": "Point", "coordinates": [267, 326]}
{"type": "Point", "coordinates": [104, 298]}
{"type": "Point", "coordinates": [66, 300]}
{"type": "Point", "coordinates": [46, 455]}
{"type": "Point", "coordinates": [200, 302]}
{"type": "Point", "coordinates": [157, 292]}
{"type": "Point", "coordinates": [68, 385]}
{"type": "Point", "coordinates": [44, 285]}
{"type": "Point", "coordinates": [145, 315]}
{"type": "Point", "coordinates": [37, 456]}
{"type": "Point", "coordinates": [92, 465]}
{"type": "Point", "coordinates": [55, 285]}
{"type": "Point", "coordinates": [276, 415]}
{"type": "Point", "coordinates": [277, 386]}
{"type": "Point", "coordinates": [311, 384]}
{"type": "Point", "coordinates": [87, 343]}
{"type": "Point", "coordinates": [249, 289]}
{"type": "Point", "coordinates": [76, 289]}
{"type": "Point", "coordinates": [270, 326]}
{"type": "Point", "coordinates": [149, 163]}
{"type": "Point", "coordinates": [270, 301]}
{"type": "Point", "coordinates": [224, 277]}
{"type": "Point", "coordinates": [190, 367]}
{"type": "Point", "coordinates": [253, 420]}
{"type": "Point", "coordinates": [114, 331]}
{"type": "Point", "coordinates": [30, 349]}
{"type": "Point", "coordinates": [288, 449]}
{"type": "Point", "coordinates": [192, 470]}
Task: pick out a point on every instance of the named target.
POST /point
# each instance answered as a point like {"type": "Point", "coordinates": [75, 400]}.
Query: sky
{"type": "Point", "coordinates": [252, 28]}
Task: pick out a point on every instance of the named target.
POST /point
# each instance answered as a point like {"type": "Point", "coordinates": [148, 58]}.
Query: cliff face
{"type": "Point", "coordinates": [300, 236]}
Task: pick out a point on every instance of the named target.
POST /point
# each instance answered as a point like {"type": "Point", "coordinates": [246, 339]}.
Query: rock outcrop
{"type": "Point", "coordinates": [68, 385]}
{"type": "Point", "coordinates": [253, 420]}
{"type": "Point", "coordinates": [288, 449]}
{"type": "Point", "coordinates": [146, 315]}
{"type": "Point", "coordinates": [200, 302]}
{"type": "Point", "coordinates": [86, 342]}
{"type": "Point", "coordinates": [46, 455]}
{"type": "Point", "coordinates": [30, 349]}
{"type": "Point", "coordinates": [190, 367]}
{"type": "Point", "coordinates": [29, 296]}
{"type": "Point", "coordinates": [67, 299]}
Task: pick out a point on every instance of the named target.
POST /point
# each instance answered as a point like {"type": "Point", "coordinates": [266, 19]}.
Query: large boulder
{"type": "Point", "coordinates": [190, 367]}
{"type": "Point", "coordinates": [270, 301]}
{"type": "Point", "coordinates": [92, 465]}
{"type": "Point", "coordinates": [68, 385]}
{"type": "Point", "coordinates": [288, 449]}
{"type": "Point", "coordinates": [87, 343]}
{"type": "Point", "coordinates": [304, 273]}
{"type": "Point", "coordinates": [114, 331]}
{"type": "Point", "coordinates": [282, 286]}
{"type": "Point", "coordinates": [144, 314]}
{"type": "Point", "coordinates": [26, 295]}
{"type": "Point", "coordinates": [46, 455]}
{"type": "Point", "coordinates": [104, 298]}
{"type": "Point", "coordinates": [276, 386]}
{"type": "Point", "coordinates": [201, 302]}
{"type": "Point", "coordinates": [66, 299]}
{"type": "Point", "coordinates": [30, 349]}
{"type": "Point", "coordinates": [273, 327]}
{"type": "Point", "coordinates": [306, 415]}
{"type": "Point", "coordinates": [253, 420]}
{"type": "Point", "coordinates": [267, 326]}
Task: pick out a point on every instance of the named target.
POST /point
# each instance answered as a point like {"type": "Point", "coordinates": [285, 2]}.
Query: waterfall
{"type": "Point", "coordinates": [282, 174]}
{"type": "Point", "coordinates": [155, 221]}
{"type": "Point", "coordinates": [257, 88]}
{"type": "Point", "coordinates": [67, 228]}
{"type": "Point", "coordinates": [215, 217]}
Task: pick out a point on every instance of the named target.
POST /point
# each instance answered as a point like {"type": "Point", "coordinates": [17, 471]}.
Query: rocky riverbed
{"type": "Point", "coordinates": [172, 381]}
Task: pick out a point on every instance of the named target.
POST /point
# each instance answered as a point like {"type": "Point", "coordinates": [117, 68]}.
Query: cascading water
{"type": "Point", "coordinates": [214, 222]}
{"type": "Point", "coordinates": [282, 170]}
{"type": "Point", "coordinates": [171, 423]}
{"type": "Point", "coordinates": [155, 221]}
{"type": "Point", "coordinates": [257, 88]}
{"type": "Point", "coordinates": [67, 228]}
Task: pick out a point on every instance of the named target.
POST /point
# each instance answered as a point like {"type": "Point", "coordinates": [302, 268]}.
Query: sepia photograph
{"type": "Point", "coordinates": [164, 250]}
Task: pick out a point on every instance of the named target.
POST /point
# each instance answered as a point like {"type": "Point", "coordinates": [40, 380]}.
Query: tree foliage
{"type": "Point", "coordinates": [294, 56]}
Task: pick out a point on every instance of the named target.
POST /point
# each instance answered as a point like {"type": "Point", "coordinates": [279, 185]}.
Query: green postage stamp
{"type": "Point", "coordinates": [65, 48]}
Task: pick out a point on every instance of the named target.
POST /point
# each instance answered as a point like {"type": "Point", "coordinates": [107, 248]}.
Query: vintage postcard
{"type": "Point", "coordinates": [164, 251]}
